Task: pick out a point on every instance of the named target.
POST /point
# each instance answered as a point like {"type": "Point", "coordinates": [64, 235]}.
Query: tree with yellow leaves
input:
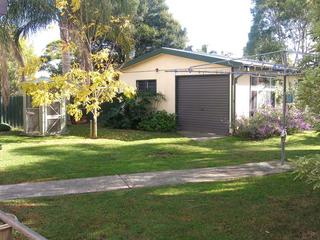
{"type": "Point", "coordinates": [88, 89]}
{"type": "Point", "coordinates": [93, 80]}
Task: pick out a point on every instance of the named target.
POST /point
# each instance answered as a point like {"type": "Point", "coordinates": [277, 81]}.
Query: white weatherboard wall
{"type": "Point", "coordinates": [166, 83]}
{"type": "Point", "coordinates": [243, 96]}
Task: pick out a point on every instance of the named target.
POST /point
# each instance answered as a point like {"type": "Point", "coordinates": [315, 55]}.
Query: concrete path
{"type": "Point", "coordinates": [138, 180]}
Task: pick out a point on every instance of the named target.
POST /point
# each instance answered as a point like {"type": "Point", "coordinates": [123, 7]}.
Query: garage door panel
{"type": "Point", "coordinates": [203, 103]}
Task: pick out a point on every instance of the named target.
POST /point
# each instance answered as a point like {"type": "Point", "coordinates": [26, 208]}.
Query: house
{"type": "Point", "coordinates": [206, 92]}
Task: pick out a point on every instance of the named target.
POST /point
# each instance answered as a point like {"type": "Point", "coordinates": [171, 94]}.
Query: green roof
{"type": "Point", "coordinates": [209, 58]}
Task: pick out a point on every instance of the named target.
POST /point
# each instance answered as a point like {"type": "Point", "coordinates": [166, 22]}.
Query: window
{"type": "Point", "coordinates": [262, 92]}
{"type": "Point", "coordinates": [147, 86]}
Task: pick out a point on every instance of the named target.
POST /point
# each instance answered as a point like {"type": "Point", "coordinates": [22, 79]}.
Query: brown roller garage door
{"type": "Point", "coordinates": [202, 103]}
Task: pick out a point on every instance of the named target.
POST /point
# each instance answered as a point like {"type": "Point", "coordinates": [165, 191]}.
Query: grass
{"type": "Point", "coordinates": [273, 207]}
{"type": "Point", "coordinates": [29, 159]}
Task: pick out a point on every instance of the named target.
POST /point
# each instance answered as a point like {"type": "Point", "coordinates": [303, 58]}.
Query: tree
{"type": "Point", "coordinates": [309, 88]}
{"type": "Point", "coordinates": [156, 27]}
{"type": "Point", "coordinates": [316, 23]}
{"type": "Point", "coordinates": [15, 70]}
{"type": "Point", "coordinates": [22, 17]}
{"type": "Point", "coordinates": [280, 24]}
{"type": "Point", "coordinates": [52, 58]}
{"type": "Point", "coordinates": [204, 48]}
{"type": "Point", "coordinates": [104, 86]}
{"type": "Point", "coordinates": [89, 82]}
{"type": "Point", "coordinates": [309, 91]}
{"type": "Point", "coordinates": [308, 168]}
{"type": "Point", "coordinates": [9, 49]}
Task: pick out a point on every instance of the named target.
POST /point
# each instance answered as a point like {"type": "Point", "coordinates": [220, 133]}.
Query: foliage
{"type": "Point", "coordinates": [308, 169]}
{"type": "Point", "coordinates": [280, 24]}
{"type": "Point", "coordinates": [266, 123]}
{"type": "Point", "coordinates": [88, 89]}
{"type": "Point", "coordinates": [159, 121]}
{"type": "Point", "coordinates": [98, 25]}
{"type": "Point", "coordinates": [317, 125]}
{"type": "Point", "coordinates": [309, 90]}
{"type": "Point", "coordinates": [92, 80]}
{"type": "Point", "coordinates": [316, 23]}
{"type": "Point", "coordinates": [156, 27]}
{"type": "Point", "coordinates": [22, 17]}
{"type": "Point", "coordinates": [51, 58]}
{"type": "Point", "coordinates": [5, 127]}
{"type": "Point", "coordinates": [127, 112]}
{"type": "Point", "coordinates": [15, 70]}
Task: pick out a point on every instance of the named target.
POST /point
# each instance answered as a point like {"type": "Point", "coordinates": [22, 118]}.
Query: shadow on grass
{"type": "Point", "coordinates": [273, 207]}
{"type": "Point", "coordinates": [118, 134]}
{"type": "Point", "coordinates": [77, 160]}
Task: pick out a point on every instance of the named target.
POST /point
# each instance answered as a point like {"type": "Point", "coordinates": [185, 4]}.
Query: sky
{"type": "Point", "coordinates": [221, 24]}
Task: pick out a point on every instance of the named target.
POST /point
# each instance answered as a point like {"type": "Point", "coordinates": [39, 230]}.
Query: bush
{"type": "Point", "coordinates": [4, 127]}
{"type": "Point", "coordinates": [159, 121]}
{"type": "Point", "coordinates": [127, 113]}
{"type": "Point", "coordinates": [308, 169]}
{"type": "Point", "coordinates": [266, 123]}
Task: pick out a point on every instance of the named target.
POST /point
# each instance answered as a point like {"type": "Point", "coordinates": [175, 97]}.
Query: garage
{"type": "Point", "coordinates": [202, 103]}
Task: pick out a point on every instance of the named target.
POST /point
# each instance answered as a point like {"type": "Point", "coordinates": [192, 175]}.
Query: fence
{"type": "Point", "coordinates": [11, 223]}
{"type": "Point", "coordinates": [13, 114]}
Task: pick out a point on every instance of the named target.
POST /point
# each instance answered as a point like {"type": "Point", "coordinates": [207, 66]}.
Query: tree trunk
{"type": "Point", "coordinates": [65, 37]}
{"type": "Point", "coordinates": [4, 77]}
{"type": "Point", "coordinates": [94, 127]}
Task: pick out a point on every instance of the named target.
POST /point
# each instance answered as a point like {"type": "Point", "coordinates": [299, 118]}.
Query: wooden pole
{"type": "Point", "coordinates": [23, 229]}
{"type": "Point", "coordinates": [284, 112]}
{"type": "Point", "coordinates": [5, 232]}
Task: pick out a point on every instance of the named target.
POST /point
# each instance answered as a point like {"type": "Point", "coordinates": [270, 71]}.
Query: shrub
{"type": "Point", "coordinates": [4, 127]}
{"type": "Point", "coordinates": [308, 169]}
{"type": "Point", "coordinates": [266, 123]}
{"type": "Point", "coordinates": [127, 113]}
{"type": "Point", "coordinates": [317, 126]}
{"type": "Point", "coordinates": [159, 121]}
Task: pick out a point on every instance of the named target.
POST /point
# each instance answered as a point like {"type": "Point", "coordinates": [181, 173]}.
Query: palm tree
{"type": "Point", "coordinates": [22, 17]}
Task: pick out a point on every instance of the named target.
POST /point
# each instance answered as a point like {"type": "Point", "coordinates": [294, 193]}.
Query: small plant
{"type": "Point", "coordinates": [127, 112]}
{"type": "Point", "coordinates": [159, 121]}
{"type": "Point", "coordinates": [317, 127]}
{"type": "Point", "coordinates": [5, 127]}
{"type": "Point", "coordinates": [308, 169]}
{"type": "Point", "coordinates": [266, 123]}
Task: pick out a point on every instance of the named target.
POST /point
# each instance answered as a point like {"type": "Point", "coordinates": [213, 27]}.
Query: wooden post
{"type": "Point", "coordinates": [5, 232]}
{"type": "Point", "coordinates": [18, 226]}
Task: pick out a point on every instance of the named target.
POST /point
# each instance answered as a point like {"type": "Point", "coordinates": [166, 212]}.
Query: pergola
{"type": "Point", "coordinates": [266, 69]}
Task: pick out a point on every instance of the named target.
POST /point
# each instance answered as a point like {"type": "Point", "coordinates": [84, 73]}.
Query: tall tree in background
{"type": "Point", "coordinates": [280, 24]}
{"type": "Point", "coordinates": [156, 27]}
{"type": "Point", "coordinates": [316, 23]}
{"type": "Point", "coordinates": [22, 18]}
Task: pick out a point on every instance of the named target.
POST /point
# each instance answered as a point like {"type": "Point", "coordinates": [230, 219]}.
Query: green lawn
{"type": "Point", "coordinates": [122, 151]}
{"type": "Point", "coordinates": [273, 207]}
